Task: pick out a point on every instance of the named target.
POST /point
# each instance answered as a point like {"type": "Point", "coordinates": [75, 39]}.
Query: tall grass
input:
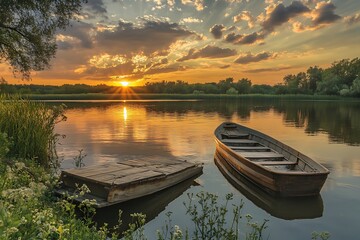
{"type": "Point", "coordinates": [30, 128]}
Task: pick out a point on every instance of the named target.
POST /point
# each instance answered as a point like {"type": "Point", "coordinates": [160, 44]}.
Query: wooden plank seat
{"type": "Point", "coordinates": [235, 136]}
{"type": "Point", "coordinates": [261, 155]}
{"type": "Point", "coordinates": [239, 141]}
{"type": "Point", "coordinates": [250, 149]}
{"type": "Point", "coordinates": [276, 163]}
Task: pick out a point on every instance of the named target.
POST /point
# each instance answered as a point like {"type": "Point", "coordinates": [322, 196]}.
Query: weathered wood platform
{"type": "Point", "coordinates": [118, 182]}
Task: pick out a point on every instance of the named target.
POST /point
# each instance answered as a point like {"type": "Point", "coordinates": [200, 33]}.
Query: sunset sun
{"type": "Point", "coordinates": [124, 83]}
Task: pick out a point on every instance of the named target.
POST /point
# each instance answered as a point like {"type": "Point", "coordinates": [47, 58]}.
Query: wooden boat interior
{"type": "Point", "coordinates": [268, 153]}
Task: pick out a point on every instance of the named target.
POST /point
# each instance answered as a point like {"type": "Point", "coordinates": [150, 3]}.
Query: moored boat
{"type": "Point", "coordinates": [274, 166]}
{"type": "Point", "coordinates": [279, 207]}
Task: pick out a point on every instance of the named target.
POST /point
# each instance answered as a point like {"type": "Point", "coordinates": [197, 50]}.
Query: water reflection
{"type": "Point", "coordinates": [284, 208]}
{"type": "Point", "coordinates": [328, 132]}
{"type": "Point", "coordinates": [150, 205]}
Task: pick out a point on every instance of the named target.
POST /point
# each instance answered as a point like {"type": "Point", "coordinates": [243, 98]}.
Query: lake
{"type": "Point", "coordinates": [327, 131]}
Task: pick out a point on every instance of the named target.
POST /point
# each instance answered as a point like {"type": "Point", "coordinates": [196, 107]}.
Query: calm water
{"type": "Point", "coordinates": [329, 132]}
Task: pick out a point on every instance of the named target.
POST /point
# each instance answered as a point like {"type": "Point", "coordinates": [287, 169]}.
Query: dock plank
{"type": "Point", "coordinates": [138, 177]}
{"type": "Point", "coordinates": [95, 170]}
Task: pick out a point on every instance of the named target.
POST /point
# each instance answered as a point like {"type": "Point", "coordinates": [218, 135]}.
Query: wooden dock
{"type": "Point", "coordinates": [113, 183]}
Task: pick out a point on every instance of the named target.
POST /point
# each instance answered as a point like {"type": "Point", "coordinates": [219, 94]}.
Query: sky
{"type": "Point", "coordinates": [200, 41]}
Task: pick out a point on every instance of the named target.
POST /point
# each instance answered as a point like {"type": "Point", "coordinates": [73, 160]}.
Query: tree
{"type": "Point", "coordinates": [314, 75]}
{"type": "Point", "coordinates": [243, 85]}
{"type": "Point", "coordinates": [28, 29]}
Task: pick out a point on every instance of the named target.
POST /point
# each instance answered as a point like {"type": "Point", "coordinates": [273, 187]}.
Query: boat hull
{"type": "Point", "coordinates": [285, 184]}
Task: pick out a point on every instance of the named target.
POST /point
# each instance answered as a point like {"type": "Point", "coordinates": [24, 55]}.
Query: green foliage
{"type": "Point", "coordinates": [4, 145]}
{"type": "Point", "coordinates": [232, 91]}
{"type": "Point", "coordinates": [30, 128]}
{"type": "Point", "coordinates": [210, 218]}
{"type": "Point", "coordinates": [330, 85]}
{"type": "Point", "coordinates": [320, 235]}
{"type": "Point", "coordinates": [28, 209]}
{"type": "Point", "coordinates": [355, 87]}
{"type": "Point", "coordinates": [27, 31]}
{"type": "Point", "coordinates": [79, 159]}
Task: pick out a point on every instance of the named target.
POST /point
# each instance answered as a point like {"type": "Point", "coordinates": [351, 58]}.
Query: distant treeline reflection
{"type": "Point", "coordinates": [339, 119]}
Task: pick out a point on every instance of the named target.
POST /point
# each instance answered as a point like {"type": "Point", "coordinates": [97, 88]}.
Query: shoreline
{"type": "Point", "coordinates": [123, 97]}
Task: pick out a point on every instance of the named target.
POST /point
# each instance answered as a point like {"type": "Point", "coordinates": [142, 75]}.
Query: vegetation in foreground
{"type": "Point", "coordinates": [29, 210]}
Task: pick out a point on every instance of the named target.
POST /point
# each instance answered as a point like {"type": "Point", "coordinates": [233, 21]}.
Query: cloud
{"type": "Point", "coordinates": [281, 14]}
{"type": "Point", "coordinates": [191, 20]}
{"type": "Point", "coordinates": [208, 52]}
{"type": "Point", "coordinates": [150, 36]}
{"type": "Point", "coordinates": [249, 58]}
{"type": "Point", "coordinates": [79, 34]}
{"type": "Point", "coordinates": [352, 19]}
{"type": "Point", "coordinates": [96, 7]}
{"type": "Point", "coordinates": [245, 16]}
{"type": "Point", "coordinates": [217, 30]}
{"type": "Point", "coordinates": [225, 66]}
{"type": "Point", "coordinates": [199, 4]}
{"type": "Point", "coordinates": [324, 14]}
{"type": "Point", "coordinates": [245, 39]}
{"type": "Point", "coordinates": [260, 70]}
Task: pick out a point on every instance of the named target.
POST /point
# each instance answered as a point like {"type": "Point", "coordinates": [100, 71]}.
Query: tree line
{"type": "Point", "coordinates": [341, 78]}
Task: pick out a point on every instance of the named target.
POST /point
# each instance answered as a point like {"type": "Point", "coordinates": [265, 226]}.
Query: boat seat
{"type": "Point", "coordinates": [250, 149]}
{"type": "Point", "coordinates": [261, 155]}
{"type": "Point", "coordinates": [234, 136]}
{"type": "Point", "coordinates": [276, 163]}
{"type": "Point", "coordinates": [239, 141]}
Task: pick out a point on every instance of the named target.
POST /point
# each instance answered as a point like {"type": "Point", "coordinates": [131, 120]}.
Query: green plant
{"type": "Point", "coordinates": [30, 126]}
{"type": "Point", "coordinates": [320, 235]}
{"type": "Point", "coordinates": [78, 160]}
{"type": "Point", "coordinates": [4, 145]}
{"type": "Point", "coordinates": [210, 218]}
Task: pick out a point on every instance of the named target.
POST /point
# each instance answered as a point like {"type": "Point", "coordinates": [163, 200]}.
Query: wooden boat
{"type": "Point", "coordinates": [276, 167]}
{"type": "Point", "coordinates": [280, 207]}
{"type": "Point", "coordinates": [113, 183]}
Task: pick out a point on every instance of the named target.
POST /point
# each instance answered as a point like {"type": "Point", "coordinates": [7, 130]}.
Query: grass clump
{"type": "Point", "coordinates": [30, 128]}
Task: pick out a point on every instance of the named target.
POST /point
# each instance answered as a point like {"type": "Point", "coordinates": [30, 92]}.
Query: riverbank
{"type": "Point", "coordinates": [101, 96]}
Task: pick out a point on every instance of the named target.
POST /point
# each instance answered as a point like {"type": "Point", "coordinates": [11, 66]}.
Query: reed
{"type": "Point", "coordinates": [30, 128]}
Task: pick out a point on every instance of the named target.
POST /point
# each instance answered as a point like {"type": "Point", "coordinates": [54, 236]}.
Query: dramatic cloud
{"type": "Point", "coordinates": [324, 14]}
{"type": "Point", "coordinates": [244, 39]}
{"type": "Point", "coordinates": [78, 35]}
{"type": "Point", "coordinates": [249, 58]}
{"type": "Point", "coordinates": [245, 16]}
{"type": "Point", "coordinates": [352, 19]}
{"type": "Point", "coordinates": [95, 8]}
{"type": "Point", "coordinates": [150, 36]}
{"type": "Point", "coordinates": [281, 14]}
{"type": "Point", "coordinates": [217, 30]}
{"type": "Point", "coordinates": [208, 52]}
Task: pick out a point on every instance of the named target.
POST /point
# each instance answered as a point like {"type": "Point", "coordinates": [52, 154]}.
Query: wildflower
{"type": "Point", "coordinates": [177, 233]}
{"type": "Point", "coordinates": [12, 230]}
{"type": "Point", "coordinates": [19, 165]}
